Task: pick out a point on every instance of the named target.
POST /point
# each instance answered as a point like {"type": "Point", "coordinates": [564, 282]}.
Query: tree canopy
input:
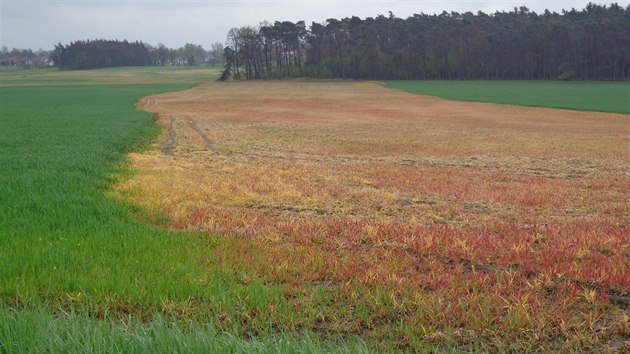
{"type": "Point", "coordinates": [593, 43]}
{"type": "Point", "coordinates": [100, 54]}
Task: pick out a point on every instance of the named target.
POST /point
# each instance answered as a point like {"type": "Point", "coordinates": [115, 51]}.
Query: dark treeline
{"type": "Point", "coordinates": [593, 43]}
{"type": "Point", "coordinates": [100, 54]}
{"type": "Point", "coordinates": [111, 53]}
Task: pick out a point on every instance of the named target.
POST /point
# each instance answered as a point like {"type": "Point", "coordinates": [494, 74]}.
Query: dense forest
{"type": "Point", "coordinates": [100, 54]}
{"type": "Point", "coordinates": [590, 44]}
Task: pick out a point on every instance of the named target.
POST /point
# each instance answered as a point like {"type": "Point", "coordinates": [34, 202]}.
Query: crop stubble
{"type": "Point", "coordinates": [449, 221]}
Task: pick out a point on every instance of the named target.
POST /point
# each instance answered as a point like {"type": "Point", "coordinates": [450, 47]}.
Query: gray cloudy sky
{"type": "Point", "coordinates": [43, 23]}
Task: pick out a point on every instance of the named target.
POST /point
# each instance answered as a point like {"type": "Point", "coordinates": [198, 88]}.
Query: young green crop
{"type": "Point", "coordinates": [58, 232]}
{"type": "Point", "coordinates": [611, 97]}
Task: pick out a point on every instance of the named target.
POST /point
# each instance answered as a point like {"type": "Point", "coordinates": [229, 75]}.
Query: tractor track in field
{"type": "Point", "coordinates": [170, 140]}
{"type": "Point", "coordinates": [169, 147]}
{"type": "Point", "coordinates": [207, 142]}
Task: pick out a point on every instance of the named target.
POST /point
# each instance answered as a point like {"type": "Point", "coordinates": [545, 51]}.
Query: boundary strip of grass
{"type": "Point", "coordinates": [33, 330]}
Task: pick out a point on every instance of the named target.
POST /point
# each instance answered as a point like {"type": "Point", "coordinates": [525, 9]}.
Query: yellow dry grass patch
{"type": "Point", "coordinates": [360, 150]}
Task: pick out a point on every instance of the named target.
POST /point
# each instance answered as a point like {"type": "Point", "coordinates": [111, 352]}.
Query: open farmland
{"type": "Point", "coordinates": [400, 218]}
{"type": "Point", "coordinates": [108, 76]}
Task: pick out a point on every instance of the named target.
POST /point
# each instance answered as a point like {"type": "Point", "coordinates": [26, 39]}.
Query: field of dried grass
{"type": "Point", "coordinates": [423, 220]}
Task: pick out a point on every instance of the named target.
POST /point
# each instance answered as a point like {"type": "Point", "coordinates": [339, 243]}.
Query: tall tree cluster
{"type": "Point", "coordinates": [100, 54]}
{"type": "Point", "coordinates": [110, 53]}
{"type": "Point", "coordinates": [593, 43]}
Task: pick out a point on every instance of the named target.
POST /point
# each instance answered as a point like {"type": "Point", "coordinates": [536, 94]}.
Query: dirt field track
{"type": "Point", "coordinates": [340, 182]}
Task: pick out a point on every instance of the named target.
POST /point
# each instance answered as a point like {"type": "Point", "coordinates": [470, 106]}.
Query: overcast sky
{"type": "Point", "coordinates": [43, 23]}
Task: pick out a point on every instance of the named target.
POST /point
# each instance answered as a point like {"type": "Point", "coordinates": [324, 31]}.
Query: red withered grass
{"type": "Point", "coordinates": [424, 220]}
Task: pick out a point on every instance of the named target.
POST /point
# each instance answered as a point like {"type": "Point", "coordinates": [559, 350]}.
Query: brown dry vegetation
{"type": "Point", "coordinates": [107, 76]}
{"type": "Point", "coordinates": [428, 221]}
